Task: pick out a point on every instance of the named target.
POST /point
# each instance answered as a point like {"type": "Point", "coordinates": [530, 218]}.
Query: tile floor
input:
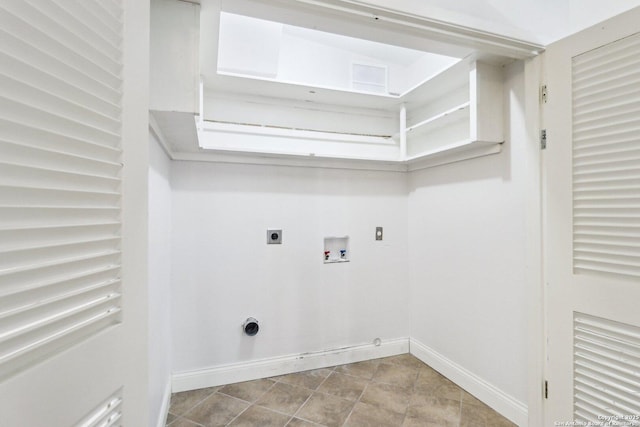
{"type": "Point", "coordinates": [392, 391]}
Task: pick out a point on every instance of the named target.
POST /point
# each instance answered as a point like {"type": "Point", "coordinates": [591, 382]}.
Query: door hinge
{"type": "Point", "coordinates": [546, 389]}
{"type": "Point", "coordinates": [543, 94]}
{"type": "Point", "coordinates": [543, 139]}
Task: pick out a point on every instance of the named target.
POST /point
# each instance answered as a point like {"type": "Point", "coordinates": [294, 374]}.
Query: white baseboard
{"type": "Point", "coordinates": [265, 368]}
{"type": "Point", "coordinates": [507, 406]}
{"type": "Point", "coordinates": [164, 409]}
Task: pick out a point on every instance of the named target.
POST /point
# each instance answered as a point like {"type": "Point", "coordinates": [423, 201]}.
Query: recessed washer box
{"type": "Point", "coordinates": [274, 237]}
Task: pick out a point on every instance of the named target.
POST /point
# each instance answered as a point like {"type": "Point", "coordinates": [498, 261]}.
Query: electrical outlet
{"type": "Point", "coordinates": [378, 233]}
{"type": "Point", "coordinates": [274, 237]}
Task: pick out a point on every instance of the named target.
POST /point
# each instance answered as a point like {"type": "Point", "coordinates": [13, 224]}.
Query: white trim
{"type": "Point", "coordinates": [492, 396]}
{"type": "Point", "coordinates": [264, 368]}
{"type": "Point", "coordinates": [435, 29]}
{"type": "Point", "coordinates": [533, 218]}
{"type": "Point", "coordinates": [164, 409]}
{"type": "Point", "coordinates": [292, 161]}
{"type": "Point", "coordinates": [466, 151]}
{"type": "Point", "coordinates": [154, 128]}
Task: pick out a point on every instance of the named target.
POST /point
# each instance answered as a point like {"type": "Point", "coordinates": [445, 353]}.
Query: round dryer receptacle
{"type": "Point", "coordinates": [251, 327]}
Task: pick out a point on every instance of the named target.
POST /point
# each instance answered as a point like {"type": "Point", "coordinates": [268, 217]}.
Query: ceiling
{"type": "Point", "coordinates": [535, 21]}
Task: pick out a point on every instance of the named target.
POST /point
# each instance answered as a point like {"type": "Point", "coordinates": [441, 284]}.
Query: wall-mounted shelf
{"type": "Point", "coordinates": [456, 111]}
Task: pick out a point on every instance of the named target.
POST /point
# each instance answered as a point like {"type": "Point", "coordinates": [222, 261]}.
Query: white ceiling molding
{"type": "Point", "coordinates": [433, 29]}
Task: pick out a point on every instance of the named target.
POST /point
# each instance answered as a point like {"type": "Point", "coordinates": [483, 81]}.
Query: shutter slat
{"type": "Point", "coordinates": [106, 414]}
{"type": "Point", "coordinates": [60, 167]}
{"type": "Point", "coordinates": [44, 60]}
{"type": "Point", "coordinates": [44, 100]}
{"type": "Point", "coordinates": [606, 159]}
{"type": "Point", "coordinates": [33, 176]}
{"type": "Point", "coordinates": [55, 21]}
{"type": "Point", "coordinates": [53, 336]}
{"type": "Point", "coordinates": [612, 51]}
{"type": "Point", "coordinates": [95, 31]}
{"type": "Point", "coordinates": [593, 98]}
{"type": "Point", "coordinates": [624, 64]}
{"type": "Point", "coordinates": [97, 18]}
{"type": "Point", "coordinates": [41, 321]}
{"type": "Point", "coordinates": [41, 157]}
{"type": "Point", "coordinates": [64, 262]}
{"type": "Point", "coordinates": [43, 300]}
{"type": "Point", "coordinates": [55, 197]}
{"type": "Point", "coordinates": [35, 137]}
{"type": "Point", "coordinates": [41, 78]}
{"type": "Point", "coordinates": [19, 112]}
{"type": "Point", "coordinates": [102, 274]}
{"type": "Point", "coordinates": [606, 367]}
{"type": "Point", "coordinates": [31, 34]}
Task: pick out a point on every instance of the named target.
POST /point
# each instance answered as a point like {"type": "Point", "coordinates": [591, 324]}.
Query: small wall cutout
{"type": "Point", "coordinates": [250, 327]}
{"type": "Point", "coordinates": [336, 249]}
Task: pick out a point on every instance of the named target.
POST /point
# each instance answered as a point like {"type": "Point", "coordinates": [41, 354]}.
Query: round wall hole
{"type": "Point", "coordinates": [251, 327]}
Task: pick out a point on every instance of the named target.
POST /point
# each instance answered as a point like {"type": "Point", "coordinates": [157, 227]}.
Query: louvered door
{"type": "Point", "coordinates": [64, 342]}
{"type": "Point", "coordinates": [592, 225]}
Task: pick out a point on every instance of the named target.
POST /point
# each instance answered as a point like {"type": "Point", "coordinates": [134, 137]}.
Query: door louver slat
{"type": "Point", "coordinates": [606, 160]}
{"type": "Point", "coordinates": [60, 166]}
{"type": "Point", "coordinates": [606, 370]}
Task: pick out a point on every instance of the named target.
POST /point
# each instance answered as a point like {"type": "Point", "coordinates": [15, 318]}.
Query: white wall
{"type": "Point", "coordinates": [223, 271]}
{"type": "Point", "coordinates": [467, 245]}
{"type": "Point", "coordinates": [174, 56]}
{"type": "Point", "coordinates": [159, 279]}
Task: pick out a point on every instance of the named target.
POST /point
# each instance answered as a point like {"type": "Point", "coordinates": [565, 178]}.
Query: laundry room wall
{"type": "Point", "coordinates": [223, 271]}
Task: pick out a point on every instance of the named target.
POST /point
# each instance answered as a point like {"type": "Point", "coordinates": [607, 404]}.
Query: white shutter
{"type": "Point", "coordinates": [107, 414]}
{"type": "Point", "coordinates": [606, 371]}
{"type": "Point", "coordinates": [60, 162]}
{"type": "Point", "coordinates": [606, 159]}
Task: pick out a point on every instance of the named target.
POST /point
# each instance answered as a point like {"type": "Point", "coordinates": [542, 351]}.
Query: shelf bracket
{"type": "Point", "coordinates": [403, 132]}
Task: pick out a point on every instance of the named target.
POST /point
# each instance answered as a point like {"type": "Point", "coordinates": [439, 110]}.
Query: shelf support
{"type": "Point", "coordinates": [403, 132]}
{"type": "Point", "coordinates": [201, 118]}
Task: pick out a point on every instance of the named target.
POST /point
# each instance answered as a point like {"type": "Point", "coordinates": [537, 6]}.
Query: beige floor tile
{"type": "Point", "coordinates": [387, 396]}
{"type": "Point", "coordinates": [364, 369]}
{"type": "Point", "coordinates": [439, 412]}
{"type": "Point", "coordinates": [324, 409]}
{"type": "Point", "coordinates": [257, 416]}
{"type": "Point", "coordinates": [218, 409]}
{"type": "Point", "coordinates": [297, 422]}
{"type": "Point", "coordinates": [364, 415]}
{"type": "Point", "coordinates": [388, 392]}
{"type": "Point", "coordinates": [182, 402]}
{"type": "Point", "coordinates": [438, 386]}
{"type": "Point", "coordinates": [482, 416]}
{"type": "Point", "coordinates": [416, 417]}
{"type": "Point", "coordinates": [407, 360]}
{"type": "Point", "coordinates": [469, 399]}
{"type": "Point", "coordinates": [427, 375]}
{"type": "Point", "coordinates": [344, 386]}
{"type": "Point", "coordinates": [249, 391]}
{"type": "Point", "coordinates": [396, 375]}
{"type": "Point", "coordinates": [182, 422]}
{"type": "Point", "coordinates": [284, 398]}
{"type": "Point", "coordinates": [308, 379]}
{"type": "Point", "coordinates": [422, 398]}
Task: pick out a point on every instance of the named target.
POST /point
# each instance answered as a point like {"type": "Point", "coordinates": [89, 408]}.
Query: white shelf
{"type": "Point", "coordinates": [460, 112]}
{"type": "Point", "coordinates": [461, 108]}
